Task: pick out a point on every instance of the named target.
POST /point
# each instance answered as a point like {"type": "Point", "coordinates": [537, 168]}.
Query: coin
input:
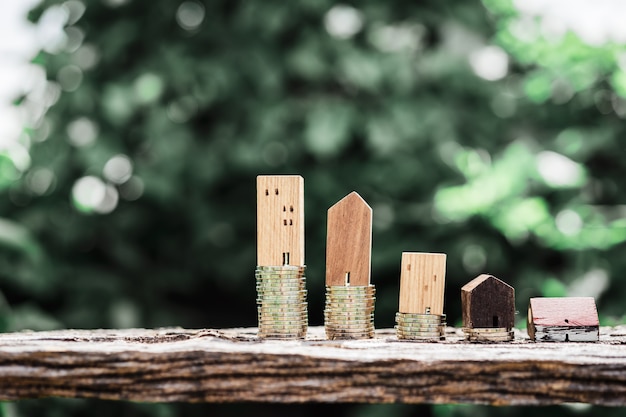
{"type": "Point", "coordinates": [281, 302]}
{"type": "Point", "coordinates": [413, 326]}
{"type": "Point", "coordinates": [499, 334]}
{"type": "Point", "coordinates": [349, 312]}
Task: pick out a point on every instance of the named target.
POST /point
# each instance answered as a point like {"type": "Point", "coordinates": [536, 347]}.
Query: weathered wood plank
{"type": "Point", "coordinates": [233, 365]}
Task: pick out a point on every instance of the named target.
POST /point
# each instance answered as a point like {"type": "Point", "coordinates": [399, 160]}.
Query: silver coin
{"type": "Point", "coordinates": [433, 336]}
{"type": "Point", "coordinates": [418, 325]}
{"type": "Point", "coordinates": [283, 328]}
{"type": "Point", "coordinates": [296, 315]}
{"type": "Point", "coordinates": [348, 325]}
{"type": "Point", "coordinates": [337, 336]}
{"type": "Point", "coordinates": [486, 329]}
{"type": "Point", "coordinates": [260, 279]}
{"type": "Point", "coordinates": [348, 316]}
{"type": "Point", "coordinates": [421, 321]}
{"type": "Point", "coordinates": [418, 315]}
{"type": "Point", "coordinates": [491, 339]}
{"type": "Point", "coordinates": [350, 301]}
{"type": "Point", "coordinates": [361, 291]}
{"type": "Point", "coordinates": [350, 310]}
{"type": "Point", "coordinates": [280, 268]}
{"type": "Point", "coordinates": [280, 287]}
{"type": "Point", "coordinates": [287, 336]}
{"type": "Point", "coordinates": [349, 331]}
{"type": "Point", "coordinates": [418, 334]}
{"type": "Point", "coordinates": [351, 318]}
{"type": "Point", "coordinates": [349, 313]}
{"type": "Point", "coordinates": [420, 329]}
{"type": "Point", "coordinates": [283, 306]}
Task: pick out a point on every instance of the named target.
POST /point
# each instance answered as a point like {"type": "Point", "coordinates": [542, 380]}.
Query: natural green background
{"type": "Point", "coordinates": [520, 176]}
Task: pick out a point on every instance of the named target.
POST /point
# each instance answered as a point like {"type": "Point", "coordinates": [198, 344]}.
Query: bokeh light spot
{"type": "Point", "coordinates": [82, 132]}
{"type": "Point", "coordinates": [474, 258]}
{"type": "Point", "coordinates": [118, 169]}
{"type": "Point", "coordinates": [132, 189]}
{"type": "Point", "coordinates": [490, 63]}
{"type": "Point", "coordinates": [568, 222]}
{"type": "Point", "coordinates": [190, 15]}
{"type": "Point", "coordinates": [148, 87]}
{"type": "Point", "coordinates": [40, 181]}
{"type": "Point", "coordinates": [91, 195]}
{"type": "Point", "coordinates": [70, 77]}
{"type": "Point", "coordinates": [275, 154]}
{"type": "Point", "coordinates": [558, 170]}
{"type": "Point", "coordinates": [343, 21]}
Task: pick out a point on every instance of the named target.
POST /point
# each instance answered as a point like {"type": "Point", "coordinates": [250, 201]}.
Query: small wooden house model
{"type": "Point", "coordinates": [565, 319]}
{"type": "Point", "coordinates": [488, 302]}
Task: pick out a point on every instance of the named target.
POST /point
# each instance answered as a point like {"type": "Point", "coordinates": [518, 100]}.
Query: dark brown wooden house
{"type": "Point", "coordinates": [488, 302]}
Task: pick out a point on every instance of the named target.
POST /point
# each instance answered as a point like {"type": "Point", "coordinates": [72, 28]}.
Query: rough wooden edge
{"type": "Point", "coordinates": [234, 365]}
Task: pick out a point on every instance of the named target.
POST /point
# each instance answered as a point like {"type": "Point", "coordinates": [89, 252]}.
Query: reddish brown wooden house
{"type": "Point", "coordinates": [564, 319]}
{"type": "Point", "coordinates": [488, 302]}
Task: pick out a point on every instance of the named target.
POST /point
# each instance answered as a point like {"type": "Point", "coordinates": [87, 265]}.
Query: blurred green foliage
{"type": "Point", "coordinates": [134, 205]}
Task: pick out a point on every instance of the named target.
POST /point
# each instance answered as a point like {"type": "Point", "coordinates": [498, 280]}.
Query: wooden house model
{"type": "Point", "coordinates": [488, 302]}
{"type": "Point", "coordinates": [565, 319]}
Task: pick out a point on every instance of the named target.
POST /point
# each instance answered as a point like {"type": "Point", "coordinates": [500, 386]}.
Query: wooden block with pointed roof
{"type": "Point", "coordinates": [280, 220]}
{"type": "Point", "coordinates": [349, 242]}
{"type": "Point", "coordinates": [422, 282]}
{"type": "Point", "coordinates": [488, 302]}
{"type": "Point", "coordinates": [563, 319]}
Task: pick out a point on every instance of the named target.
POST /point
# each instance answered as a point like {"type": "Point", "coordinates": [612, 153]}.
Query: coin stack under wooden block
{"type": "Point", "coordinates": [488, 306]}
{"type": "Point", "coordinates": [350, 298]}
{"type": "Point", "coordinates": [422, 282]}
{"type": "Point", "coordinates": [280, 278]}
{"type": "Point", "coordinates": [281, 302]}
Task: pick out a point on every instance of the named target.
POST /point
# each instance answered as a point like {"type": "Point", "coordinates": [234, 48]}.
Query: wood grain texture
{"type": "Point", "coordinates": [487, 301]}
{"type": "Point", "coordinates": [280, 220]}
{"type": "Point", "coordinates": [233, 366]}
{"type": "Point", "coordinates": [349, 242]}
{"type": "Point", "coordinates": [422, 282]}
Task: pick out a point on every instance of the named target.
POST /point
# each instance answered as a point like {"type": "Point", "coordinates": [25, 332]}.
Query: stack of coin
{"type": "Point", "coordinates": [281, 302]}
{"type": "Point", "coordinates": [349, 312]}
{"type": "Point", "coordinates": [413, 326]}
{"type": "Point", "coordinates": [495, 334]}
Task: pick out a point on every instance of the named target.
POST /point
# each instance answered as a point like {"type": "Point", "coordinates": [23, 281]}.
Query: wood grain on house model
{"type": "Point", "coordinates": [349, 242]}
{"type": "Point", "coordinates": [422, 282]}
{"type": "Point", "coordinates": [487, 302]}
{"type": "Point", "coordinates": [280, 220]}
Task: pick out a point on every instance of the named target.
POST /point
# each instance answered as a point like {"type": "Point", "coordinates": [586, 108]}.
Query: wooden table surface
{"type": "Point", "coordinates": [232, 365]}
